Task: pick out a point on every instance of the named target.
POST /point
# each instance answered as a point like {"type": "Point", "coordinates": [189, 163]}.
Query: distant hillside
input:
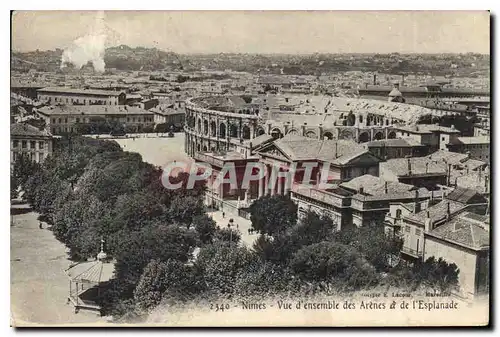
{"type": "Point", "coordinates": [120, 57]}
{"type": "Point", "coordinates": [140, 58]}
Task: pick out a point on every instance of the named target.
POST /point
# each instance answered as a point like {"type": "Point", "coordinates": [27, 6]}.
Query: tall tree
{"type": "Point", "coordinates": [273, 215]}
{"type": "Point", "coordinates": [438, 274]}
{"type": "Point", "coordinates": [220, 264]}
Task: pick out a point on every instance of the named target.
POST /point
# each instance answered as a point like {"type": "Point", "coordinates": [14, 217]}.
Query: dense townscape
{"type": "Point", "coordinates": [374, 174]}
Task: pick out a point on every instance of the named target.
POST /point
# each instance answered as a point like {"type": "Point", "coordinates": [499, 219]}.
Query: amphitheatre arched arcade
{"type": "Point", "coordinates": [209, 130]}
{"type": "Point", "coordinates": [215, 129]}
{"type": "Point", "coordinates": [360, 127]}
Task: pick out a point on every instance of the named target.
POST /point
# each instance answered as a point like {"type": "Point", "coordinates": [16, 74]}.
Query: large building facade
{"type": "Point", "coordinates": [61, 119]}
{"type": "Point", "coordinates": [28, 140]}
{"type": "Point", "coordinates": [63, 95]}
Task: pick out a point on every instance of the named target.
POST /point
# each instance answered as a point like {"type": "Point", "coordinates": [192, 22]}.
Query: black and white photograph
{"type": "Point", "coordinates": [250, 168]}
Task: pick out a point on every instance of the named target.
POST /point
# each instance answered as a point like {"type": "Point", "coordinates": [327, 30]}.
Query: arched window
{"type": "Point", "coordinates": [222, 130]}
{"type": "Point", "coordinates": [245, 132]}
{"type": "Point", "coordinates": [214, 129]}
{"type": "Point", "coordinates": [205, 127]}
{"type": "Point", "coordinates": [233, 131]}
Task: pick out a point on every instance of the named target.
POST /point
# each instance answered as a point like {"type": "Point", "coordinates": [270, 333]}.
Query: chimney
{"type": "Point", "coordinates": [374, 79]}
{"type": "Point", "coordinates": [448, 213]}
{"type": "Point", "coordinates": [449, 174]}
{"type": "Point", "coordinates": [385, 187]}
{"type": "Point", "coordinates": [427, 167]}
{"type": "Point", "coordinates": [416, 203]}
{"type": "Point", "coordinates": [402, 80]}
{"type": "Point", "coordinates": [486, 184]}
{"type": "Point", "coordinates": [427, 222]}
{"type": "Point", "coordinates": [361, 190]}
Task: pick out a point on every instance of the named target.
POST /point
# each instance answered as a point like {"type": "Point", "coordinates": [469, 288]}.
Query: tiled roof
{"type": "Point", "coordinates": [303, 148]}
{"type": "Point", "coordinates": [419, 166]}
{"type": "Point", "coordinates": [474, 181]}
{"type": "Point", "coordinates": [259, 140]}
{"type": "Point", "coordinates": [21, 129]}
{"type": "Point", "coordinates": [93, 110]}
{"type": "Point", "coordinates": [376, 185]}
{"type": "Point", "coordinates": [465, 196]}
{"type": "Point", "coordinates": [166, 109]}
{"type": "Point", "coordinates": [448, 157]}
{"type": "Point", "coordinates": [437, 212]}
{"type": "Point", "coordinates": [465, 231]}
{"type": "Point", "coordinates": [475, 140]}
{"type": "Point", "coordinates": [427, 128]}
{"type": "Point", "coordinates": [400, 142]}
{"type": "Point", "coordinates": [473, 164]}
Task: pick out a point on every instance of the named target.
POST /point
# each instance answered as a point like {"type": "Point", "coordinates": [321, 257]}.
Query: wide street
{"type": "Point", "coordinates": [39, 286]}
{"type": "Point", "coordinates": [240, 224]}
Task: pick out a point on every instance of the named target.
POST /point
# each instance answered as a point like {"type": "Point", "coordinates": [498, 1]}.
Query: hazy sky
{"type": "Point", "coordinates": [262, 32]}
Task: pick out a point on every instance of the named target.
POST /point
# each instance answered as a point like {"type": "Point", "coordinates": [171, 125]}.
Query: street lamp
{"type": "Point", "coordinates": [229, 225]}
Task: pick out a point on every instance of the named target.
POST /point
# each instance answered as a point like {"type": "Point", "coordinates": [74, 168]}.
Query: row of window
{"type": "Point", "coordinates": [25, 143]}
{"type": "Point", "coordinates": [478, 146]}
{"type": "Point", "coordinates": [85, 120]}
{"type": "Point", "coordinates": [31, 155]}
{"type": "Point", "coordinates": [418, 231]}
{"type": "Point", "coordinates": [84, 101]}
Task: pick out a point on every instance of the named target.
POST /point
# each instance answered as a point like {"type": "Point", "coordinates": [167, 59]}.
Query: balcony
{"type": "Point", "coordinates": [412, 252]}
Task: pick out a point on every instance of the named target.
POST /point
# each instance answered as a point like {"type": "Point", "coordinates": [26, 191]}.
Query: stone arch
{"type": "Point", "coordinates": [391, 135]}
{"type": "Point", "coordinates": [311, 134]}
{"type": "Point", "coordinates": [205, 127]}
{"type": "Point", "coordinates": [328, 135]}
{"type": "Point", "coordinates": [292, 132]}
{"type": "Point", "coordinates": [213, 128]}
{"type": "Point", "coordinates": [378, 135]}
{"type": "Point", "coordinates": [260, 131]}
{"type": "Point", "coordinates": [245, 132]}
{"type": "Point", "coordinates": [276, 133]}
{"type": "Point", "coordinates": [199, 125]}
{"type": "Point", "coordinates": [233, 131]}
{"type": "Point", "coordinates": [222, 130]}
{"type": "Point", "coordinates": [386, 122]}
{"type": "Point", "coordinates": [198, 147]}
{"type": "Point", "coordinates": [213, 149]}
{"type": "Point", "coordinates": [205, 149]}
{"type": "Point", "coordinates": [351, 119]}
{"type": "Point", "coordinates": [346, 134]}
{"type": "Point", "coordinates": [364, 137]}
{"type": "Point", "coordinates": [360, 118]}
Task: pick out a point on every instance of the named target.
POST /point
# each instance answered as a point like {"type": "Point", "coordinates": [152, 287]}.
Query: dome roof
{"type": "Point", "coordinates": [395, 93]}
{"type": "Point", "coordinates": [102, 256]}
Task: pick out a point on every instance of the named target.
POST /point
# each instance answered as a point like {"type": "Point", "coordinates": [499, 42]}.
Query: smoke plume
{"type": "Point", "coordinates": [90, 47]}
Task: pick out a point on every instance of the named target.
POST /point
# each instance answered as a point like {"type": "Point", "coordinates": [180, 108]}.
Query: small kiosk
{"type": "Point", "coordinates": [86, 280]}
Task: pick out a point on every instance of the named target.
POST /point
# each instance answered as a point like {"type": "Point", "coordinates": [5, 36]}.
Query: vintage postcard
{"type": "Point", "coordinates": [250, 168]}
